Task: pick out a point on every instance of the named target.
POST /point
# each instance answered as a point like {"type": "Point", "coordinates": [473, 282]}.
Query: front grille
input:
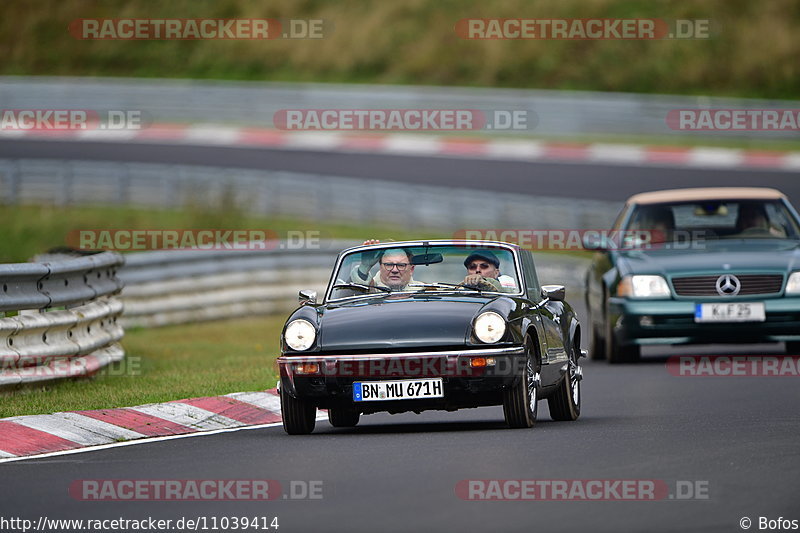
{"type": "Point", "coordinates": [752, 284]}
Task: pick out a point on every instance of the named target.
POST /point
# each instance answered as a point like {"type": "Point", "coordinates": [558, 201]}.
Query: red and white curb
{"type": "Point", "coordinates": [33, 435]}
{"type": "Point", "coordinates": [431, 145]}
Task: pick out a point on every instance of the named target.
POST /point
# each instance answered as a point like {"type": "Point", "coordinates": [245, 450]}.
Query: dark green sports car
{"type": "Point", "coordinates": [687, 266]}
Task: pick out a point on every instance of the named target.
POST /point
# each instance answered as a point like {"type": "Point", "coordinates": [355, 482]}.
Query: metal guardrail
{"type": "Point", "coordinates": [183, 286]}
{"type": "Point", "coordinates": [558, 113]}
{"type": "Point", "coordinates": [296, 195]}
{"type": "Point", "coordinates": [44, 341]}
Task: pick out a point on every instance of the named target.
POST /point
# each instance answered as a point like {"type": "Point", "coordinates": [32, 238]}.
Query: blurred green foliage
{"type": "Point", "coordinates": [753, 50]}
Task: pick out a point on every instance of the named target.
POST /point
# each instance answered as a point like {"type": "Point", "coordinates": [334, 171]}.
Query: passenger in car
{"type": "Point", "coordinates": [659, 221]}
{"type": "Point", "coordinates": [753, 220]}
{"type": "Point", "coordinates": [395, 271]}
{"type": "Point", "coordinates": [483, 271]}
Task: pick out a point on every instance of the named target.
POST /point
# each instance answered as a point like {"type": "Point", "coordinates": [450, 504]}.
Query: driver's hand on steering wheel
{"type": "Point", "coordinates": [476, 280]}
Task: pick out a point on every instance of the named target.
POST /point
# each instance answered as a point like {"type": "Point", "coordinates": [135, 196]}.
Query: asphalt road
{"type": "Point", "coordinates": [737, 438]}
{"type": "Point", "coordinates": [732, 439]}
{"type": "Point", "coordinates": [574, 180]}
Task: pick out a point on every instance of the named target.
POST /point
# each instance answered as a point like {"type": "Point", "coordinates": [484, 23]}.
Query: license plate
{"type": "Point", "coordinates": [730, 312]}
{"type": "Point", "coordinates": [407, 389]}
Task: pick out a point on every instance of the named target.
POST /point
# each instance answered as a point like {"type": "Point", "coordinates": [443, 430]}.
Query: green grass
{"type": "Point", "coordinates": [29, 230]}
{"type": "Point", "coordinates": [164, 364]}
{"type": "Point", "coordinates": [752, 51]}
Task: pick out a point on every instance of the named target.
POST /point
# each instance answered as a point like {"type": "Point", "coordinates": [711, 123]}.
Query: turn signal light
{"type": "Point", "coordinates": [307, 368]}
{"type": "Point", "coordinates": [480, 362]}
{"type": "Point", "coordinates": [477, 362]}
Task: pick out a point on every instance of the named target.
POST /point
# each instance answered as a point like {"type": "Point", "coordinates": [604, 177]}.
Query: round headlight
{"type": "Point", "coordinates": [300, 335]}
{"type": "Point", "coordinates": [489, 327]}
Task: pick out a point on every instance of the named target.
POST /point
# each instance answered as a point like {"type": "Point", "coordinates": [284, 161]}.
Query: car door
{"type": "Point", "coordinates": [548, 323]}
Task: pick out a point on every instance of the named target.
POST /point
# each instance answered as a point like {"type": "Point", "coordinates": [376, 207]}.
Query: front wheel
{"type": "Point", "coordinates": [597, 344]}
{"type": "Point", "coordinates": [620, 353]}
{"type": "Point", "coordinates": [565, 403]}
{"type": "Point", "coordinates": [342, 417]}
{"type": "Point", "coordinates": [299, 416]}
{"type": "Point", "coordinates": [520, 402]}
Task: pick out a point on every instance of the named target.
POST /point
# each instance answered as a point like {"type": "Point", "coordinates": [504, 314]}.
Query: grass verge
{"type": "Point", "coordinates": [164, 364]}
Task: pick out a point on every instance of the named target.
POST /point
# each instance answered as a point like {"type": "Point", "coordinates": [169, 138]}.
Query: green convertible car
{"type": "Point", "coordinates": [688, 266]}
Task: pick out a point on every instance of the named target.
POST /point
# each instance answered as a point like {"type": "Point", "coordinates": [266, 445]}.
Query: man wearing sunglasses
{"type": "Point", "coordinates": [483, 272]}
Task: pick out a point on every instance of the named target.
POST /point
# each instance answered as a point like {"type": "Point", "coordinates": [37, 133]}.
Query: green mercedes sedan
{"type": "Point", "coordinates": [690, 266]}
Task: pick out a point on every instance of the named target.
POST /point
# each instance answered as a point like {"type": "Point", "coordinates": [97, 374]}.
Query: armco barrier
{"type": "Point", "coordinates": [64, 321]}
{"type": "Point", "coordinates": [291, 194]}
{"type": "Point", "coordinates": [182, 286]}
{"type": "Point", "coordinates": [558, 114]}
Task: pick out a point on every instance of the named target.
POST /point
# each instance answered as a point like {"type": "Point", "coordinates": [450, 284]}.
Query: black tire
{"type": "Point", "coordinates": [597, 344]}
{"type": "Point", "coordinates": [617, 353]}
{"type": "Point", "coordinates": [519, 409]}
{"type": "Point", "coordinates": [342, 417]}
{"type": "Point", "coordinates": [299, 417]}
{"type": "Point", "coordinates": [565, 403]}
{"type": "Point", "coordinates": [792, 347]}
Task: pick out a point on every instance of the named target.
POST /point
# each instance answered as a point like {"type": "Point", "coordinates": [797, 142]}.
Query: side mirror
{"type": "Point", "coordinates": [307, 297]}
{"type": "Point", "coordinates": [557, 293]}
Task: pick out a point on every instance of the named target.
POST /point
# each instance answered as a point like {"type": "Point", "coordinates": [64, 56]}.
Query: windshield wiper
{"type": "Point", "coordinates": [366, 288]}
{"type": "Point", "coordinates": [440, 285]}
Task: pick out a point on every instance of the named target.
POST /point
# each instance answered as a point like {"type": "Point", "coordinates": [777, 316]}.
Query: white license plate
{"type": "Point", "coordinates": [730, 312]}
{"type": "Point", "coordinates": [406, 389]}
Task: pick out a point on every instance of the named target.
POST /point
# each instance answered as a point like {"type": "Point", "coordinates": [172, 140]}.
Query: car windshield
{"type": "Point", "coordinates": [729, 219]}
{"type": "Point", "coordinates": [426, 268]}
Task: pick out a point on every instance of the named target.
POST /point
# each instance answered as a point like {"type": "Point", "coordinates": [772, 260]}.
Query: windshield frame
{"type": "Point", "coordinates": [432, 243]}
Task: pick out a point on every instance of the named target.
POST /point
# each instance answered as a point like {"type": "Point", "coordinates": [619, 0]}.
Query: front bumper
{"type": "Point", "coordinates": [648, 322]}
{"type": "Point", "coordinates": [464, 385]}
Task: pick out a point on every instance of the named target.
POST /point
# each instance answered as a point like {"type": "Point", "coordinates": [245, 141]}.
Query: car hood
{"type": "Point", "coordinates": [734, 255]}
{"type": "Point", "coordinates": [398, 322]}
